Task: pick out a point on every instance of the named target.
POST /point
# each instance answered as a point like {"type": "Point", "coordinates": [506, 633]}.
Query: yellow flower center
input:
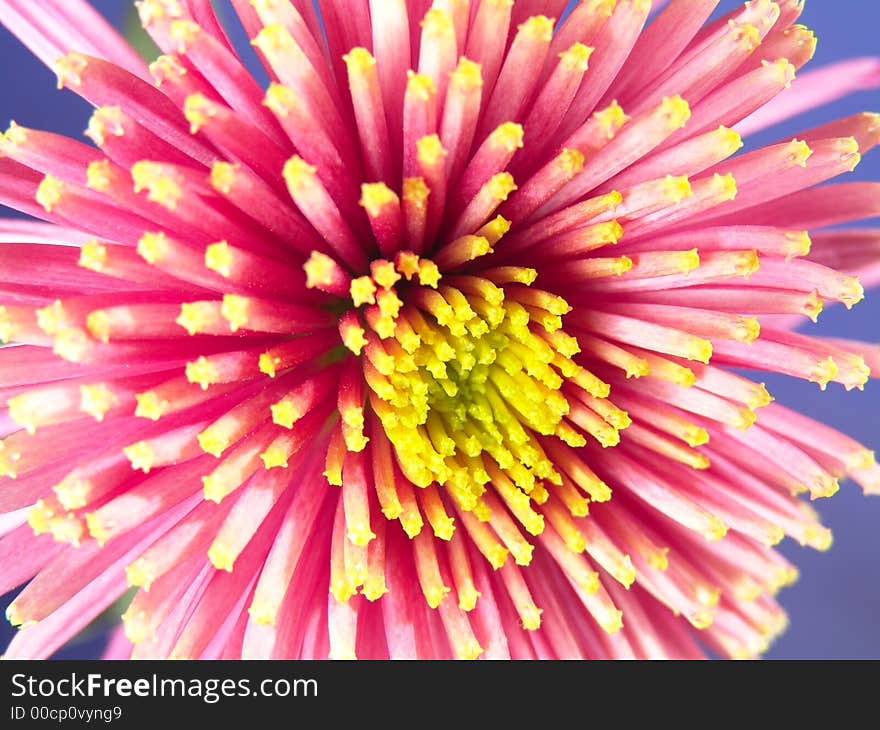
{"type": "Point", "coordinates": [465, 373]}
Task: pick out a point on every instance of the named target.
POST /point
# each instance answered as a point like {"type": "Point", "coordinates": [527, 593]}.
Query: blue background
{"type": "Point", "coordinates": [835, 607]}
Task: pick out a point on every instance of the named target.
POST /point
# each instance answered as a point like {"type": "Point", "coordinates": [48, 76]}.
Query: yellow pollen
{"type": "Point", "coordinates": [198, 111]}
{"type": "Point", "coordinates": [359, 61]}
{"type": "Point", "coordinates": [805, 37]}
{"type": "Point", "coordinates": [419, 86]}
{"type": "Point", "coordinates": [272, 39]}
{"type": "Point", "coordinates": [319, 270]}
{"type": "Point", "coordinates": [429, 274]}
{"type": "Point", "coordinates": [603, 8]}
{"type": "Point", "coordinates": [213, 442]}
{"type": "Point", "coordinates": [220, 556]}
{"type": "Point", "coordinates": [539, 28]}
{"type": "Point", "coordinates": [611, 621]}
{"type": "Point", "coordinates": [218, 257]}
{"type": "Point", "coordinates": [784, 69]}
{"type": "Point", "coordinates": [354, 437]}
{"type": "Point", "coordinates": [416, 192]}
{"type": "Point", "coordinates": [49, 192]}
{"type": "Point", "coordinates": [494, 230]}
{"type": "Point", "coordinates": [15, 134]}
{"type": "Point", "coordinates": [98, 175]}
{"type": "Point", "coordinates": [708, 595]}
{"type": "Point", "coordinates": [69, 69]}
{"type": "Point", "coordinates": [813, 306]}
{"type": "Point", "coordinates": [98, 325]}
{"type": "Point", "coordinates": [360, 534]}
{"type": "Point", "coordinates": [268, 364]}
{"type": "Point", "coordinates": [234, 310]}
{"type": "Point", "coordinates": [52, 318]}
{"type": "Point", "coordinates": [724, 186]}
{"type": "Point", "coordinates": [280, 100]}
{"type": "Point", "coordinates": [68, 528]}
{"type": "Point", "coordinates": [472, 247]}
{"type": "Point", "coordinates": [695, 436]}
{"type": "Point", "coordinates": [523, 275]}
{"type": "Point", "coordinates": [799, 152]}
{"type": "Point", "coordinates": [185, 32]}
{"type": "Point", "coordinates": [149, 405]}
{"type": "Point", "coordinates": [96, 400]}
{"type": "Point", "coordinates": [747, 329]}
{"type": "Point", "coordinates": [819, 538]}
{"type": "Point", "coordinates": [384, 273]}
{"type": "Point", "coordinates": [824, 372]}
{"type": "Point", "coordinates": [135, 625]}
{"type": "Point", "coordinates": [298, 174]}
{"type": "Point", "coordinates": [72, 344]}
{"type": "Point", "coordinates": [165, 68]}
{"type": "Point", "coordinates": [701, 618]}
{"type": "Point", "coordinates": [699, 349]}
{"type": "Point", "coordinates": [500, 186]}
{"type": "Point", "coordinates": [745, 34]}
{"type": "Point", "coordinates": [354, 338]}
{"type": "Point", "coordinates": [508, 137]}
{"type": "Point", "coordinates": [385, 327]}
{"type": "Point", "coordinates": [611, 232]}
{"type": "Point", "coordinates": [746, 419]}
{"type": "Point", "coordinates": [72, 492]}
{"type": "Point", "coordinates": [362, 291]}
{"type": "Point", "coordinates": [760, 398]}
{"type": "Point", "coordinates": [775, 535]}
{"type": "Point", "coordinates": [467, 74]}
{"type": "Point", "coordinates": [274, 457]}
{"type": "Point", "coordinates": [375, 197]}
{"type": "Point", "coordinates": [570, 162]}
{"type": "Point", "coordinates": [747, 263]}
{"type": "Point", "coordinates": [39, 516]}
{"type": "Point", "coordinates": [675, 112]}
{"type": "Point", "coordinates": [577, 58]}
{"type": "Point", "coordinates": [729, 140]}
{"type": "Point", "coordinates": [193, 317]}
{"type": "Point", "coordinates": [429, 150]}
{"type": "Point", "coordinates": [658, 559]}
{"type": "Point", "coordinates": [824, 487]}
{"type": "Point", "coordinates": [286, 412]}
{"type": "Point", "coordinates": [105, 121]}
{"type": "Point", "coordinates": [223, 176]}
{"type": "Point", "coordinates": [150, 11]}
{"type": "Point", "coordinates": [610, 120]}
{"type": "Point", "coordinates": [153, 247]}
{"type": "Point", "coordinates": [162, 188]}
{"type": "Point", "coordinates": [389, 304]}
{"type": "Point", "coordinates": [141, 456]}
{"type": "Point", "coordinates": [618, 266]}
{"type": "Point", "coordinates": [203, 372]}
{"type": "Point", "coordinates": [861, 460]}
{"type": "Point", "coordinates": [797, 244]}
{"type": "Point", "coordinates": [851, 292]}
{"type": "Point", "coordinates": [676, 189]}
{"type": "Point", "coordinates": [24, 411]}
{"type": "Point", "coordinates": [407, 263]}
{"type": "Point", "coordinates": [437, 22]}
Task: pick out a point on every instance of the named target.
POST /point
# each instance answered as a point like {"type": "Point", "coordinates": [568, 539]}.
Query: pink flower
{"type": "Point", "coordinates": [427, 349]}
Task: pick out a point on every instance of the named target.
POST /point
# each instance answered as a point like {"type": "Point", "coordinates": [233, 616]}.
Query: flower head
{"type": "Point", "coordinates": [427, 349]}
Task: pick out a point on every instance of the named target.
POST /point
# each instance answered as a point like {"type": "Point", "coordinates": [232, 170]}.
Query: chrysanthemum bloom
{"type": "Point", "coordinates": [426, 350]}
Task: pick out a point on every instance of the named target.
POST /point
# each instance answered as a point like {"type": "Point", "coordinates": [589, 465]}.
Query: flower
{"type": "Point", "coordinates": [428, 349]}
